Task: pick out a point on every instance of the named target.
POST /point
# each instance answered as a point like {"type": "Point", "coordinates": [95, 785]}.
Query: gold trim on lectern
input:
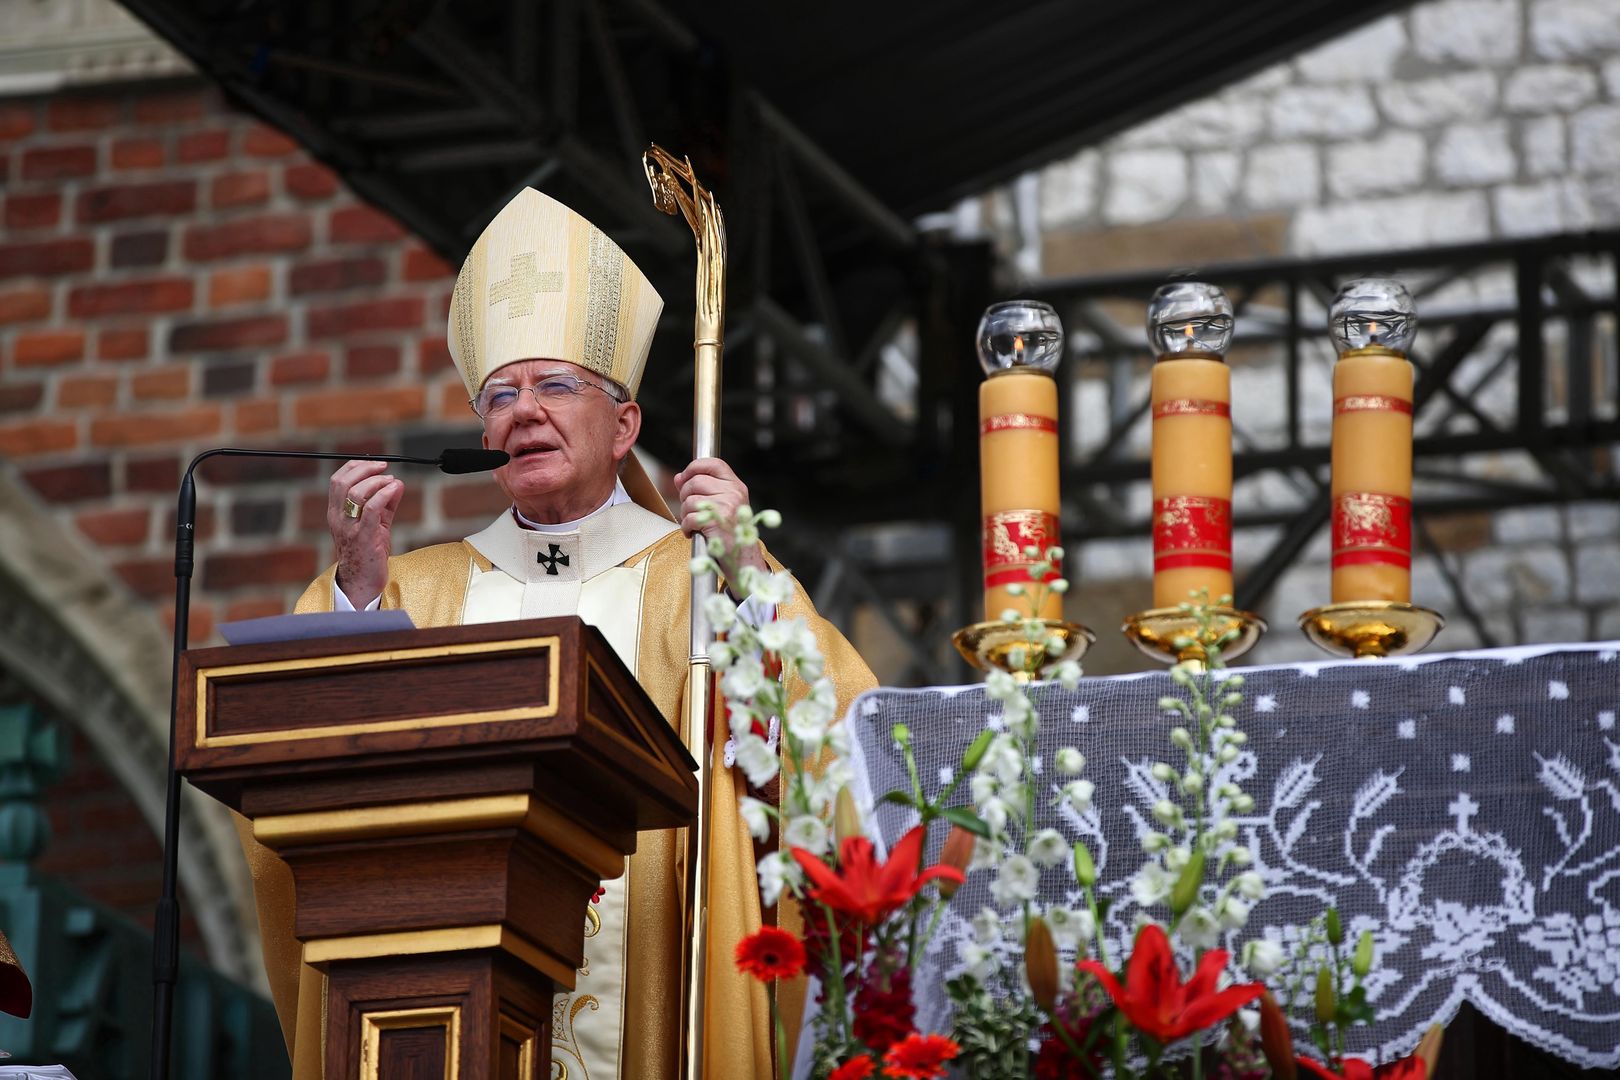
{"type": "Point", "coordinates": [367, 822]}
{"type": "Point", "coordinates": [546, 823]}
{"type": "Point", "coordinates": [527, 1044]}
{"type": "Point", "coordinates": [415, 723]}
{"type": "Point", "coordinates": [447, 939]}
{"type": "Point", "coordinates": [373, 1024]}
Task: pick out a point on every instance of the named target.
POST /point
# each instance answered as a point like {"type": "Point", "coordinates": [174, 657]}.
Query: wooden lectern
{"type": "Point", "coordinates": [448, 801]}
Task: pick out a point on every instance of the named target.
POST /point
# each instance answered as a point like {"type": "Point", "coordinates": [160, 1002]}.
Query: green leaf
{"type": "Point", "coordinates": [900, 798]}
{"type": "Point", "coordinates": [967, 819]}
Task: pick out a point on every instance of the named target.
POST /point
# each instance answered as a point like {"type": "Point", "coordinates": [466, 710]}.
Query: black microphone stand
{"type": "Point", "coordinates": [166, 924]}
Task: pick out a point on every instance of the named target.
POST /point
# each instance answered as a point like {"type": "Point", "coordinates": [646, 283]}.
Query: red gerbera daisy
{"type": "Point", "coordinates": [919, 1057]}
{"type": "Point", "coordinates": [771, 953]}
{"type": "Point", "coordinates": [856, 1068]}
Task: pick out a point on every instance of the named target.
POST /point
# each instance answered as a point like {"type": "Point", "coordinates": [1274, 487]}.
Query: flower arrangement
{"type": "Point", "coordinates": [1039, 995]}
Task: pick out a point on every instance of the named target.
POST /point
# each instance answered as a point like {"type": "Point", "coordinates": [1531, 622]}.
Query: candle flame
{"type": "Point", "coordinates": [1372, 330]}
{"type": "Point", "coordinates": [1189, 330]}
{"type": "Point", "coordinates": [1018, 343]}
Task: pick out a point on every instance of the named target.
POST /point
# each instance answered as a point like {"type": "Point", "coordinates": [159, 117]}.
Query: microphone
{"type": "Point", "coordinates": [456, 460]}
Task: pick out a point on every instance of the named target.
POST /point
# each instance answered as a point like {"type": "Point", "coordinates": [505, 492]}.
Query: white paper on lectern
{"type": "Point", "coordinates": [316, 625]}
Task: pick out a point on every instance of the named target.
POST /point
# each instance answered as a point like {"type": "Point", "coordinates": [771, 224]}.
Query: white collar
{"type": "Point", "coordinates": [619, 496]}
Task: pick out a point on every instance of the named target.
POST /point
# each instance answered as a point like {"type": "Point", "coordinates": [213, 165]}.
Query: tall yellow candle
{"type": "Point", "coordinates": [1019, 344]}
{"type": "Point", "coordinates": [1190, 326]}
{"type": "Point", "coordinates": [1372, 476]}
{"type": "Point", "coordinates": [1192, 480]}
{"type": "Point", "coordinates": [1373, 322]}
{"type": "Point", "coordinates": [1018, 484]}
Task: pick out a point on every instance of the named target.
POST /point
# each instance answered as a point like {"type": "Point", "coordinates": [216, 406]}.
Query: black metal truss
{"type": "Point", "coordinates": [1566, 399]}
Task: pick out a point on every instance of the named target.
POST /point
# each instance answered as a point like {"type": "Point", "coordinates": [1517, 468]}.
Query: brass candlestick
{"type": "Point", "coordinates": [1006, 646]}
{"type": "Point", "coordinates": [1363, 628]}
{"type": "Point", "coordinates": [1174, 636]}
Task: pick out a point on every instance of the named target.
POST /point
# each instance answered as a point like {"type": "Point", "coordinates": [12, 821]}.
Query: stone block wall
{"type": "Point", "coordinates": [1455, 120]}
{"type": "Point", "coordinates": [1452, 121]}
{"type": "Point", "coordinates": [175, 276]}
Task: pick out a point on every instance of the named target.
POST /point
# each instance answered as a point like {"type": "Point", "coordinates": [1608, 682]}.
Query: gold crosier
{"type": "Point", "coordinates": [676, 190]}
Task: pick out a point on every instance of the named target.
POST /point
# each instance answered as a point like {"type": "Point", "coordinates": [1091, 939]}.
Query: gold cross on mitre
{"type": "Point", "coordinates": [524, 284]}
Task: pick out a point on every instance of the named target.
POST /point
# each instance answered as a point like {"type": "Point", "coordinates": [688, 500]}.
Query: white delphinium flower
{"type": "Point", "coordinates": [757, 759]}
{"type": "Point", "coordinates": [1234, 913]}
{"type": "Point", "coordinates": [1199, 928]}
{"type": "Point", "coordinates": [1249, 885]}
{"type": "Point", "coordinates": [1263, 957]}
{"type": "Point", "coordinates": [766, 587]}
{"type": "Point", "coordinates": [808, 721]}
{"type": "Point", "coordinates": [981, 787]}
{"type": "Point", "coordinates": [986, 855]}
{"type": "Point", "coordinates": [1151, 884]}
{"type": "Point", "coordinates": [777, 871]}
{"type": "Point", "coordinates": [1067, 674]}
{"type": "Point", "coordinates": [756, 817]}
{"type": "Point", "coordinates": [1070, 927]}
{"type": "Point", "coordinates": [1049, 849]}
{"type": "Point", "coordinates": [1021, 717]}
{"type": "Point", "coordinates": [995, 812]}
{"type": "Point", "coordinates": [1070, 761]}
{"type": "Point", "coordinates": [987, 926]}
{"type": "Point", "coordinates": [809, 833]}
{"type": "Point", "coordinates": [720, 610]}
{"type": "Point", "coordinates": [1016, 880]}
{"type": "Point", "coordinates": [1079, 793]}
{"type": "Point", "coordinates": [999, 686]}
{"type": "Point", "coordinates": [1003, 760]}
{"type": "Point", "coordinates": [980, 962]}
{"type": "Point", "coordinates": [744, 679]}
{"type": "Point", "coordinates": [721, 654]}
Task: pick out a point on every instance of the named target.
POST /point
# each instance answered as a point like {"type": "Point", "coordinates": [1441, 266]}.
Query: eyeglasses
{"type": "Point", "coordinates": [553, 390]}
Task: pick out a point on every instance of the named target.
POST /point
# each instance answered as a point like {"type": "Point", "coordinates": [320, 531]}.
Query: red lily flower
{"type": "Point", "coordinates": [1411, 1068]}
{"type": "Point", "coordinates": [1157, 1002]}
{"type": "Point", "coordinates": [866, 889]}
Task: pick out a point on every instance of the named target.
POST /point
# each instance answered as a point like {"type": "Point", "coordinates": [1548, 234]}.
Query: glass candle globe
{"type": "Point", "coordinates": [1373, 311]}
{"type": "Point", "coordinates": [1190, 317]}
{"type": "Point", "coordinates": [1020, 335]}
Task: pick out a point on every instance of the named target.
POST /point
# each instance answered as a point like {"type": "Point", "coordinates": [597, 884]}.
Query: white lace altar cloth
{"type": "Point", "coordinates": [1465, 808]}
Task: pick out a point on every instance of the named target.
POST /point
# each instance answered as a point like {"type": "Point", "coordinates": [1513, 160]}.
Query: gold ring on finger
{"type": "Point", "coordinates": [351, 509]}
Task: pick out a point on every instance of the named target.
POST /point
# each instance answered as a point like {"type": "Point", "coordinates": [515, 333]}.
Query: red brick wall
{"type": "Point", "coordinates": [174, 276]}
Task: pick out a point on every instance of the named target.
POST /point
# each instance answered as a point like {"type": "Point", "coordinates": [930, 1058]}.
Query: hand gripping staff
{"type": "Point", "coordinates": [675, 190]}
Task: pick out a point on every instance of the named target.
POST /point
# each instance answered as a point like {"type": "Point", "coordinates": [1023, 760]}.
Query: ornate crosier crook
{"type": "Point", "coordinates": [676, 190]}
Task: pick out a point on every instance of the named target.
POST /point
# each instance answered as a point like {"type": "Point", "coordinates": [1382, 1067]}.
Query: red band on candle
{"type": "Point", "coordinates": [1007, 534]}
{"type": "Point", "coordinates": [1018, 422]}
{"type": "Point", "coordinates": [1191, 407]}
{"type": "Point", "coordinates": [1203, 560]}
{"type": "Point", "coordinates": [1192, 530]}
{"type": "Point", "coordinates": [1372, 528]}
{"type": "Point", "coordinates": [1371, 403]}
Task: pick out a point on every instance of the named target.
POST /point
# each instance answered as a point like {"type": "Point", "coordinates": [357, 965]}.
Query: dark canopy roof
{"type": "Point", "coordinates": [825, 129]}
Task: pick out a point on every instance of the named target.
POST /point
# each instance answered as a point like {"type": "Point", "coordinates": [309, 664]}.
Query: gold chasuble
{"type": "Point", "coordinates": [625, 571]}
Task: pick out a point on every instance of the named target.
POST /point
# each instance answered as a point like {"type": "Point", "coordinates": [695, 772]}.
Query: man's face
{"type": "Point", "coordinates": [565, 449]}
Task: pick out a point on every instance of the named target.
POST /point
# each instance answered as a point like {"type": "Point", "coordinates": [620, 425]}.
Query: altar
{"type": "Point", "coordinates": [1464, 808]}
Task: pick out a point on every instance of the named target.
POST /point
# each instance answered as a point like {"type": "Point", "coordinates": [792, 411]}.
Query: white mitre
{"type": "Point", "coordinates": [542, 283]}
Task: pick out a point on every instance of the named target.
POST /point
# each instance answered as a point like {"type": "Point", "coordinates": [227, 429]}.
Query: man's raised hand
{"type": "Point", "coordinates": [710, 480]}
{"type": "Point", "coordinates": [362, 543]}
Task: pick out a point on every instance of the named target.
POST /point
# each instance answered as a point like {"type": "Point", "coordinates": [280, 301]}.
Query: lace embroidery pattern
{"type": "Point", "coordinates": [1465, 809]}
